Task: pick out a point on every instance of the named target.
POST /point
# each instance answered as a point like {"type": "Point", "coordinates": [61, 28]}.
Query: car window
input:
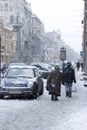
{"type": "Point", "coordinates": [16, 72]}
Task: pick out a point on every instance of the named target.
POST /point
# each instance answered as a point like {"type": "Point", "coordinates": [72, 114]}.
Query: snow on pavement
{"type": "Point", "coordinates": [44, 114]}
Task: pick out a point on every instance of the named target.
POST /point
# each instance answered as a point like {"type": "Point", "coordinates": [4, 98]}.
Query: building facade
{"type": "Point", "coordinates": [84, 44]}
{"type": "Point", "coordinates": [17, 14]}
{"type": "Point", "coordinates": [8, 44]}
{"type": "Point", "coordinates": [36, 38]}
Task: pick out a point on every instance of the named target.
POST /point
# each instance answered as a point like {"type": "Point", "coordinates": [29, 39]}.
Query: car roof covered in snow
{"type": "Point", "coordinates": [23, 66]}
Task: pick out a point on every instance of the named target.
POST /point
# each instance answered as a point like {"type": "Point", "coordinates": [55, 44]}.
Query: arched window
{"type": "Point", "coordinates": [1, 8]}
{"type": "Point", "coordinates": [6, 7]}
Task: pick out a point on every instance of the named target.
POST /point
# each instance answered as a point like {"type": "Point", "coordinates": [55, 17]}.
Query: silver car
{"type": "Point", "coordinates": [22, 81]}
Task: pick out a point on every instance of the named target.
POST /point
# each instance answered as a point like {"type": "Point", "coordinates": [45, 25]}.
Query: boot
{"type": "Point", "coordinates": [67, 94]}
{"type": "Point", "coordinates": [70, 94]}
{"type": "Point", "coordinates": [52, 97]}
{"type": "Point", "coordinates": [56, 99]}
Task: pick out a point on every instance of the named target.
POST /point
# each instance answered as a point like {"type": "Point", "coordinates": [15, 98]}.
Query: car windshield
{"type": "Point", "coordinates": [20, 72]}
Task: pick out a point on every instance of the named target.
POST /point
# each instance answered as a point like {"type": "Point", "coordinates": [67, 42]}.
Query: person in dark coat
{"type": "Point", "coordinates": [55, 79]}
{"type": "Point", "coordinates": [69, 78]}
{"type": "Point", "coordinates": [78, 65]}
{"type": "Point", "coordinates": [81, 66]}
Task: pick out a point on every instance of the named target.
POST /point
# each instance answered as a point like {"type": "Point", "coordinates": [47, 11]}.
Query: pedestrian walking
{"type": "Point", "coordinates": [81, 66]}
{"type": "Point", "coordinates": [69, 78]}
{"type": "Point", "coordinates": [78, 65]}
{"type": "Point", "coordinates": [54, 80]}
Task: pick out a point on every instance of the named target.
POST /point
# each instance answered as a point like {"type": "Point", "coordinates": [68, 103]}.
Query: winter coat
{"type": "Point", "coordinates": [69, 75]}
{"type": "Point", "coordinates": [55, 77]}
{"type": "Point", "coordinates": [78, 65]}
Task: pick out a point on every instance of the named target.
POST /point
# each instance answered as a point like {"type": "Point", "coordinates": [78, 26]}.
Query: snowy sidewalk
{"type": "Point", "coordinates": [44, 114]}
{"type": "Point", "coordinates": [70, 113]}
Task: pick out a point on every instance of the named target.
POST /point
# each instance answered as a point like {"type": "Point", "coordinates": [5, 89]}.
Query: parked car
{"type": "Point", "coordinates": [44, 69]}
{"type": "Point", "coordinates": [22, 81]}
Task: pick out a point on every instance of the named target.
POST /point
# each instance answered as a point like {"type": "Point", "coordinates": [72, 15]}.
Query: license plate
{"type": "Point", "coordinates": [15, 92]}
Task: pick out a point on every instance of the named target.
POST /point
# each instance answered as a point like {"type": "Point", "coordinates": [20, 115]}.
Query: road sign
{"type": "Point", "coordinates": [63, 54]}
{"type": "Point", "coordinates": [81, 53]}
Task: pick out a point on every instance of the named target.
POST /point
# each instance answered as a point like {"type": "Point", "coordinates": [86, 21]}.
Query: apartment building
{"type": "Point", "coordinates": [8, 44]}
{"type": "Point", "coordinates": [17, 15]}
{"type": "Point", "coordinates": [84, 44]}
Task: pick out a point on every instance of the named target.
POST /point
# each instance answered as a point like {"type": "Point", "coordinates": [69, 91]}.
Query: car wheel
{"type": "Point", "coordinates": [41, 88]}
{"type": "Point", "coordinates": [41, 92]}
{"type": "Point", "coordinates": [35, 96]}
{"type": "Point", "coordinates": [35, 93]}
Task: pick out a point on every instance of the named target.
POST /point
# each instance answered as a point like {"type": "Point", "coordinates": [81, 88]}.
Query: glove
{"type": "Point", "coordinates": [63, 83]}
{"type": "Point", "coordinates": [74, 81]}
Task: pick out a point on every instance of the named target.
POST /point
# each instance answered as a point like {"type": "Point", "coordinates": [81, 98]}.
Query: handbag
{"type": "Point", "coordinates": [74, 88]}
{"type": "Point", "coordinates": [48, 87]}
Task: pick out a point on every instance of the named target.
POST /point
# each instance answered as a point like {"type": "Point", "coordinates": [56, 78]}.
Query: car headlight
{"type": "Point", "coordinates": [30, 84]}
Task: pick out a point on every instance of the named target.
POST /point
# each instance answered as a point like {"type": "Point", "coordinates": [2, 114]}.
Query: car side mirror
{"type": "Point", "coordinates": [40, 76]}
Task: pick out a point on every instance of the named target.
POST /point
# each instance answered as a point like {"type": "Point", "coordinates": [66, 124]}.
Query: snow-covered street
{"type": "Point", "coordinates": [44, 114]}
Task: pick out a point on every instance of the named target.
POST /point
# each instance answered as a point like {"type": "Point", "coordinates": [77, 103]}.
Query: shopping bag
{"type": "Point", "coordinates": [74, 88]}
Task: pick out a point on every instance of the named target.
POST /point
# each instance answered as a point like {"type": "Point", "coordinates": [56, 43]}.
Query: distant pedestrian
{"type": "Point", "coordinates": [78, 65]}
{"type": "Point", "coordinates": [81, 66]}
{"type": "Point", "coordinates": [74, 65]}
{"type": "Point", "coordinates": [69, 78]}
{"type": "Point", "coordinates": [55, 80]}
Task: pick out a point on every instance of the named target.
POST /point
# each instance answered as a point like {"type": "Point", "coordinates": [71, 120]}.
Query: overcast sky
{"type": "Point", "coordinates": [63, 15]}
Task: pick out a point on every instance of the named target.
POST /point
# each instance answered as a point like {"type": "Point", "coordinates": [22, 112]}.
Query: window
{"type": "Point", "coordinates": [86, 42]}
{"type": "Point", "coordinates": [3, 47]}
{"type": "Point", "coordinates": [2, 58]}
{"type": "Point", "coordinates": [12, 46]}
{"type": "Point", "coordinates": [6, 7]}
{"type": "Point", "coordinates": [11, 18]}
{"type": "Point", "coordinates": [36, 72]}
{"type": "Point", "coordinates": [1, 8]}
{"type": "Point", "coordinates": [26, 44]}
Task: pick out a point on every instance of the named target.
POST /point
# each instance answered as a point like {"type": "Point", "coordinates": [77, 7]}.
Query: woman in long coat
{"type": "Point", "coordinates": [55, 80]}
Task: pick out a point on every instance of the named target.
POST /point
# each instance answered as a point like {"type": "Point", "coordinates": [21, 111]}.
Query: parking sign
{"type": "Point", "coordinates": [81, 53]}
